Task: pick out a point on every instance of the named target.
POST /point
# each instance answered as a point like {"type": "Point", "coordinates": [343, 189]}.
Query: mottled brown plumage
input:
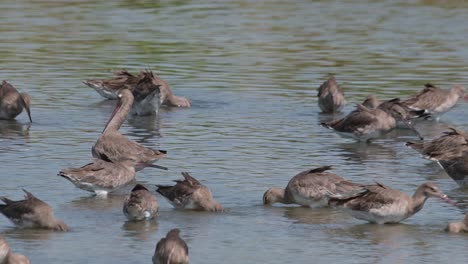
{"type": "Point", "coordinates": [145, 85]}
{"type": "Point", "coordinates": [189, 194]}
{"type": "Point", "coordinates": [31, 212]}
{"type": "Point", "coordinates": [435, 101]}
{"type": "Point", "coordinates": [330, 96]}
{"type": "Point", "coordinates": [449, 140]}
{"type": "Point", "coordinates": [171, 249]}
{"type": "Point", "coordinates": [12, 102]}
{"type": "Point", "coordinates": [8, 257]}
{"type": "Point", "coordinates": [310, 188]}
{"type": "Point", "coordinates": [115, 147]}
{"type": "Point", "coordinates": [381, 204]}
{"type": "Point", "coordinates": [141, 204]}
{"type": "Point", "coordinates": [365, 124]}
{"type": "Point", "coordinates": [101, 177]}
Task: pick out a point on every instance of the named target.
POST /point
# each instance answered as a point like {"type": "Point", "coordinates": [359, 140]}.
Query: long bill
{"type": "Point", "coordinates": [410, 125]}
{"type": "Point", "coordinates": [152, 166]}
{"type": "Point", "coordinates": [26, 106]}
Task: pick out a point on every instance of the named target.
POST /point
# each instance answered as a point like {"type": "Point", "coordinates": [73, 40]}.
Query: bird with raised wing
{"type": "Point", "coordinates": [31, 213]}
{"type": "Point", "coordinates": [141, 204]}
{"type": "Point", "coordinates": [171, 249]}
{"type": "Point", "coordinates": [447, 142]}
{"type": "Point", "coordinates": [310, 188]}
{"type": "Point", "coordinates": [12, 102]}
{"type": "Point", "coordinates": [189, 194]}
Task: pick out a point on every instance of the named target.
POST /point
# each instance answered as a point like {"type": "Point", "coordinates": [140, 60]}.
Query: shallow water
{"type": "Point", "coordinates": [251, 69]}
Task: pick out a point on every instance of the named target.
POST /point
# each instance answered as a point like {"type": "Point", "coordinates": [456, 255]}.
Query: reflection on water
{"type": "Point", "coordinates": [359, 152]}
{"type": "Point", "coordinates": [28, 234]}
{"type": "Point", "coordinates": [145, 128]}
{"type": "Point", "coordinates": [305, 215]}
{"type": "Point", "coordinates": [141, 230]}
{"type": "Point", "coordinates": [387, 234]}
{"type": "Point", "coordinates": [12, 128]}
{"type": "Point", "coordinates": [98, 203]}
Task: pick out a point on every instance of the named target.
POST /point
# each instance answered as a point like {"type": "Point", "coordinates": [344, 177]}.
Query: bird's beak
{"type": "Point", "coordinates": [410, 125]}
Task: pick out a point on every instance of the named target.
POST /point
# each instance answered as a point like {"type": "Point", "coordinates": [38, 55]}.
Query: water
{"type": "Point", "coordinates": [251, 69]}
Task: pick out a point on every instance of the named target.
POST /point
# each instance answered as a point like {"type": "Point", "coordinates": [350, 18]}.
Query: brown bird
{"type": "Point", "coordinates": [364, 124]}
{"type": "Point", "coordinates": [171, 249]}
{"type": "Point", "coordinates": [141, 204]}
{"type": "Point", "coordinates": [114, 147]}
{"type": "Point", "coordinates": [189, 194]}
{"type": "Point", "coordinates": [458, 227]}
{"type": "Point", "coordinates": [31, 212]}
{"type": "Point", "coordinates": [8, 257]}
{"type": "Point", "coordinates": [330, 96]}
{"type": "Point", "coordinates": [380, 204]}
{"type": "Point", "coordinates": [12, 102]}
{"type": "Point", "coordinates": [110, 88]}
{"type": "Point", "coordinates": [371, 102]}
{"type": "Point", "coordinates": [100, 176]}
{"type": "Point", "coordinates": [310, 188]}
{"type": "Point", "coordinates": [168, 98]}
{"type": "Point", "coordinates": [449, 140]}
{"type": "Point", "coordinates": [434, 100]}
{"type": "Point", "coordinates": [142, 86]}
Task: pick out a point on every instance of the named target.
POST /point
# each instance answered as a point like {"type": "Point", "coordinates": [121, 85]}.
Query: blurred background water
{"type": "Point", "coordinates": [251, 69]}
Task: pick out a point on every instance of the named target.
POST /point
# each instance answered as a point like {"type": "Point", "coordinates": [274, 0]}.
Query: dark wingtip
{"type": "Point", "coordinates": [139, 187]}
{"type": "Point", "coordinates": [321, 169]}
{"type": "Point", "coordinates": [325, 125]}
{"type": "Point", "coordinates": [162, 151]}
{"type": "Point", "coordinates": [28, 194]}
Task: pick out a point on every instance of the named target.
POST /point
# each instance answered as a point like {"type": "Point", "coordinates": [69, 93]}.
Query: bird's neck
{"type": "Point", "coordinates": [417, 201]}
{"type": "Point", "coordinates": [119, 115]}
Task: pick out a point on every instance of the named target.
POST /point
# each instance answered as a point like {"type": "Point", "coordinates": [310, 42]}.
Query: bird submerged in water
{"type": "Point", "coordinates": [12, 102]}
{"type": "Point", "coordinates": [141, 204]}
{"type": "Point", "coordinates": [330, 96]}
{"type": "Point", "coordinates": [149, 90]}
{"type": "Point", "coordinates": [458, 227]}
{"type": "Point", "coordinates": [31, 212]}
{"type": "Point", "coordinates": [189, 194]}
